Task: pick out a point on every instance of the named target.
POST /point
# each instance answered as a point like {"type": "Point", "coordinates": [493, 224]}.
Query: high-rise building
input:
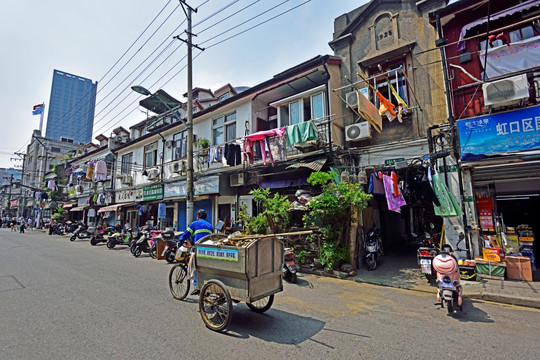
{"type": "Point", "coordinates": [71, 108]}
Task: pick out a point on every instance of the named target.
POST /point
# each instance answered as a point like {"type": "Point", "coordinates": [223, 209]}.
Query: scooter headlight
{"type": "Point", "coordinates": [446, 279]}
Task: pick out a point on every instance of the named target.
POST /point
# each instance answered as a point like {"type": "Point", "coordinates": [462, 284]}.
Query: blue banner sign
{"type": "Point", "coordinates": [499, 133]}
{"type": "Point", "coordinates": [218, 254]}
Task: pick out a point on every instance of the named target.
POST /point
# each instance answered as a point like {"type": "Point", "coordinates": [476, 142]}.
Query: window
{"type": "Point", "coordinates": [224, 129]}
{"type": "Point", "coordinates": [150, 155]}
{"type": "Point", "coordinates": [310, 105]}
{"type": "Point", "coordinates": [179, 145]}
{"type": "Point", "coordinates": [56, 149]}
{"type": "Point", "coordinates": [512, 36]}
{"type": "Point", "coordinates": [223, 97]}
{"type": "Point", "coordinates": [127, 160]}
{"type": "Point", "coordinates": [396, 79]}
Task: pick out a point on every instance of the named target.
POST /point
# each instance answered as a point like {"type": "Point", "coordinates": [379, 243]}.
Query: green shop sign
{"type": "Point", "coordinates": [154, 192]}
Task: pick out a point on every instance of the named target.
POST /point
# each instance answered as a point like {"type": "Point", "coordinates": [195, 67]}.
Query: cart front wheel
{"type": "Point", "coordinates": [179, 282]}
{"type": "Point", "coordinates": [261, 305]}
{"type": "Point", "coordinates": [215, 305]}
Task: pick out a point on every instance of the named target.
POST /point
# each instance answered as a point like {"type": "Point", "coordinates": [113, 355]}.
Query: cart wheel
{"type": "Point", "coordinates": [179, 282]}
{"type": "Point", "coordinates": [215, 305]}
{"type": "Point", "coordinates": [261, 305]}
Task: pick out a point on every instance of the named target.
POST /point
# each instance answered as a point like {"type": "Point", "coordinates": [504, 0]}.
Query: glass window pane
{"type": "Point", "coordinates": [317, 108]}
{"type": "Point", "coordinates": [230, 131]}
{"type": "Point", "coordinates": [527, 32]}
{"type": "Point", "coordinates": [294, 109]}
{"type": "Point", "coordinates": [219, 137]}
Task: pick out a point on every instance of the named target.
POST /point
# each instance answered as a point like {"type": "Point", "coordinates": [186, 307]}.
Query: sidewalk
{"type": "Point", "coordinates": [402, 271]}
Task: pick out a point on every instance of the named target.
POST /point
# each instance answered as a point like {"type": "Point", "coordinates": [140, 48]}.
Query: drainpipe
{"type": "Point", "coordinates": [326, 77]}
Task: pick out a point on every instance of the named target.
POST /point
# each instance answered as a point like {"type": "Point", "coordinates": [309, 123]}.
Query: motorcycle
{"type": "Point", "coordinates": [428, 249]}
{"type": "Point", "coordinates": [449, 291]}
{"type": "Point", "coordinates": [70, 227]}
{"type": "Point", "coordinates": [373, 249]}
{"type": "Point", "coordinates": [169, 252]}
{"type": "Point", "coordinates": [101, 235]}
{"type": "Point", "coordinates": [289, 266]}
{"type": "Point", "coordinates": [120, 238]}
{"type": "Point", "coordinates": [83, 232]}
{"type": "Point", "coordinates": [56, 228]}
{"type": "Point", "coordinates": [143, 245]}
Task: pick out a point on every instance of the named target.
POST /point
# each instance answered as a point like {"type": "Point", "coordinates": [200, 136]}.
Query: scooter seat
{"type": "Point", "coordinates": [168, 234]}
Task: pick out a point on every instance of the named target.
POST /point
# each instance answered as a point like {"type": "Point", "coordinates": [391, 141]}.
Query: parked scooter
{"type": "Point", "coordinates": [428, 249]}
{"type": "Point", "coordinates": [449, 293]}
{"type": "Point", "coordinates": [143, 245]}
{"type": "Point", "coordinates": [289, 266]}
{"type": "Point", "coordinates": [120, 238]}
{"type": "Point", "coordinates": [56, 228]}
{"type": "Point", "coordinates": [83, 232]}
{"type": "Point", "coordinates": [169, 252]}
{"type": "Point", "coordinates": [373, 249]}
{"type": "Point", "coordinates": [101, 235]}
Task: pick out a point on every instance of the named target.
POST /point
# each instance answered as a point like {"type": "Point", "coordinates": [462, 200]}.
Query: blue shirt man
{"type": "Point", "coordinates": [197, 229]}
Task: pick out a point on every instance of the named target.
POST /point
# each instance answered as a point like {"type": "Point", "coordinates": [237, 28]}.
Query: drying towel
{"type": "Point", "coordinates": [369, 111]}
{"type": "Point", "coordinates": [302, 132]}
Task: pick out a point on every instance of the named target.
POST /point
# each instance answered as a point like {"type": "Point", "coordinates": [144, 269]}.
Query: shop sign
{"type": "Point", "coordinates": [14, 202]}
{"type": "Point", "coordinates": [175, 190]}
{"type": "Point", "coordinates": [206, 185]}
{"type": "Point", "coordinates": [392, 161]}
{"type": "Point", "coordinates": [217, 254]}
{"type": "Point", "coordinates": [154, 192]}
{"type": "Point", "coordinates": [124, 196]}
{"type": "Point", "coordinates": [449, 168]}
{"type": "Point", "coordinates": [83, 201]}
{"type": "Point", "coordinates": [499, 133]}
{"type": "Point", "coordinates": [484, 203]}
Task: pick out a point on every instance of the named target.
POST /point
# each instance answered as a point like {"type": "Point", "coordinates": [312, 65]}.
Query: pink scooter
{"type": "Point", "coordinates": [449, 292]}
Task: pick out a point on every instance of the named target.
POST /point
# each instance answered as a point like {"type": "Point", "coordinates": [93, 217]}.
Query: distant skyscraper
{"type": "Point", "coordinates": [71, 108]}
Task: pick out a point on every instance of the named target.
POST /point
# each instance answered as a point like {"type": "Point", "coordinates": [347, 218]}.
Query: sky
{"type": "Point", "coordinates": [125, 43]}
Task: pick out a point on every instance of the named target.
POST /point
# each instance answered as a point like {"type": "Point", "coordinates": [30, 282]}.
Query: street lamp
{"type": "Point", "coordinates": [141, 90]}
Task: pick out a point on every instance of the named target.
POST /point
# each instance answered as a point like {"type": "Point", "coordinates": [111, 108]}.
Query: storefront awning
{"type": "Point", "coordinates": [69, 205]}
{"type": "Point", "coordinates": [114, 207]}
{"type": "Point", "coordinates": [78, 208]}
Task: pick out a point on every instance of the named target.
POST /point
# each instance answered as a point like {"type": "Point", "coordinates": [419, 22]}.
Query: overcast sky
{"type": "Point", "coordinates": [87, 38]}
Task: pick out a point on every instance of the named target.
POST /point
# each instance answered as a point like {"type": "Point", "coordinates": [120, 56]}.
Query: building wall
{"type": "Point", "coordinates": [71, 107]}
{"type": "Point", "coordinates": [380, 33]}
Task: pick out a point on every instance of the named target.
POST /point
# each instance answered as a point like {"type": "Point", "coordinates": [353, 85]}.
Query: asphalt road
{"type": "Point", "coordinates": [70, 300]}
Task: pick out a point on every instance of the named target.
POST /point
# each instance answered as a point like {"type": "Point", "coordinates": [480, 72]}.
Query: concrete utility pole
{"type": "Point", "coordinates": [189, 176]}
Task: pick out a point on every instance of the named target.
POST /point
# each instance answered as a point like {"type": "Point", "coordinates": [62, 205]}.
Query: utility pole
{"type": "Point", "coordinates": [189, 177]}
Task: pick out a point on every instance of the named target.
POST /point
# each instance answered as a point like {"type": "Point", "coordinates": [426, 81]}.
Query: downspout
{"type": "Point", "coordinates": [327, 90]}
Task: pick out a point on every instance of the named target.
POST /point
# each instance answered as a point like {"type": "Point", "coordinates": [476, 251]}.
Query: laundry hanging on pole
{"type": "Point", "coordinates": [386, 108]}
{"type": "Point", "coordinates": [402, 105]}
{"type": "Point", "coordinates": [369, 111]}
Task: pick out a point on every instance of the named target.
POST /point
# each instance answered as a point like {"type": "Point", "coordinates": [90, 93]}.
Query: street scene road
{"type": "Point", "coordinates": [70, 300]}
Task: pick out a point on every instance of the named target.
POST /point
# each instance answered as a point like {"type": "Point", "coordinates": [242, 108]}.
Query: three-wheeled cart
{"type": "Point", "coordinates": [250, 273]}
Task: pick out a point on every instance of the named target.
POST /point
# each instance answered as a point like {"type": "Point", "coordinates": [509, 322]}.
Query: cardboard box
{"type": "Point", "coordinates": [492, 254]}
{"type": "Point", "coordinates": [518, 268]}
{"type": "Point", "coordinates": [490, 269]}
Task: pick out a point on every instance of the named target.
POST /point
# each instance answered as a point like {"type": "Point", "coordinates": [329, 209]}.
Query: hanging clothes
{"type": "Point", "coordinates": [376, 185]}
{"type": "Point", "coordinates": [394, 202]}
{"type": "Point", "coordinates": [90, 172]}
{"type": "Point", "coordinates": [51, 185]}
{"type": "Point", "coordinates": [369, 111]}
{"type": "Point", "coordinates": [448, 205]}
{"type": "Point", "coordinates": [302, 132]}
{"type": "Point", "coordinates": [248, 151]}
{"type": "Point", "coordinates": [100, 172]}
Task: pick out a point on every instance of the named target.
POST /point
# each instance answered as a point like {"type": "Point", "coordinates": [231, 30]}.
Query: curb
{"type": "Point", "coordinates": [498, 298]}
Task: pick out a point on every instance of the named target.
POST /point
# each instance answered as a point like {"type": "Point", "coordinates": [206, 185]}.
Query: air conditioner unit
{"type": "Point", "coordinates": [507, 92]}
{"type": "Point", "coordinates": [127, 179]}
{"type": "Point", "coordinates": [351, 99]}
{"type": "Point", "coordinates": [153, 174]}
{"type": "Point", "coordinates": [179, 167]}
{"type": "Point", "coordinates": [237, 179]}
{"type": "Point", "coordinates": [169, 144]}
{"type": "Point", "coordinates": [359, 131]}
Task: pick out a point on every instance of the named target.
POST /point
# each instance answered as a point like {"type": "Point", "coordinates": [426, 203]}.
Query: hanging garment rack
{"type": "Point", "coordinates": [353, 84]}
